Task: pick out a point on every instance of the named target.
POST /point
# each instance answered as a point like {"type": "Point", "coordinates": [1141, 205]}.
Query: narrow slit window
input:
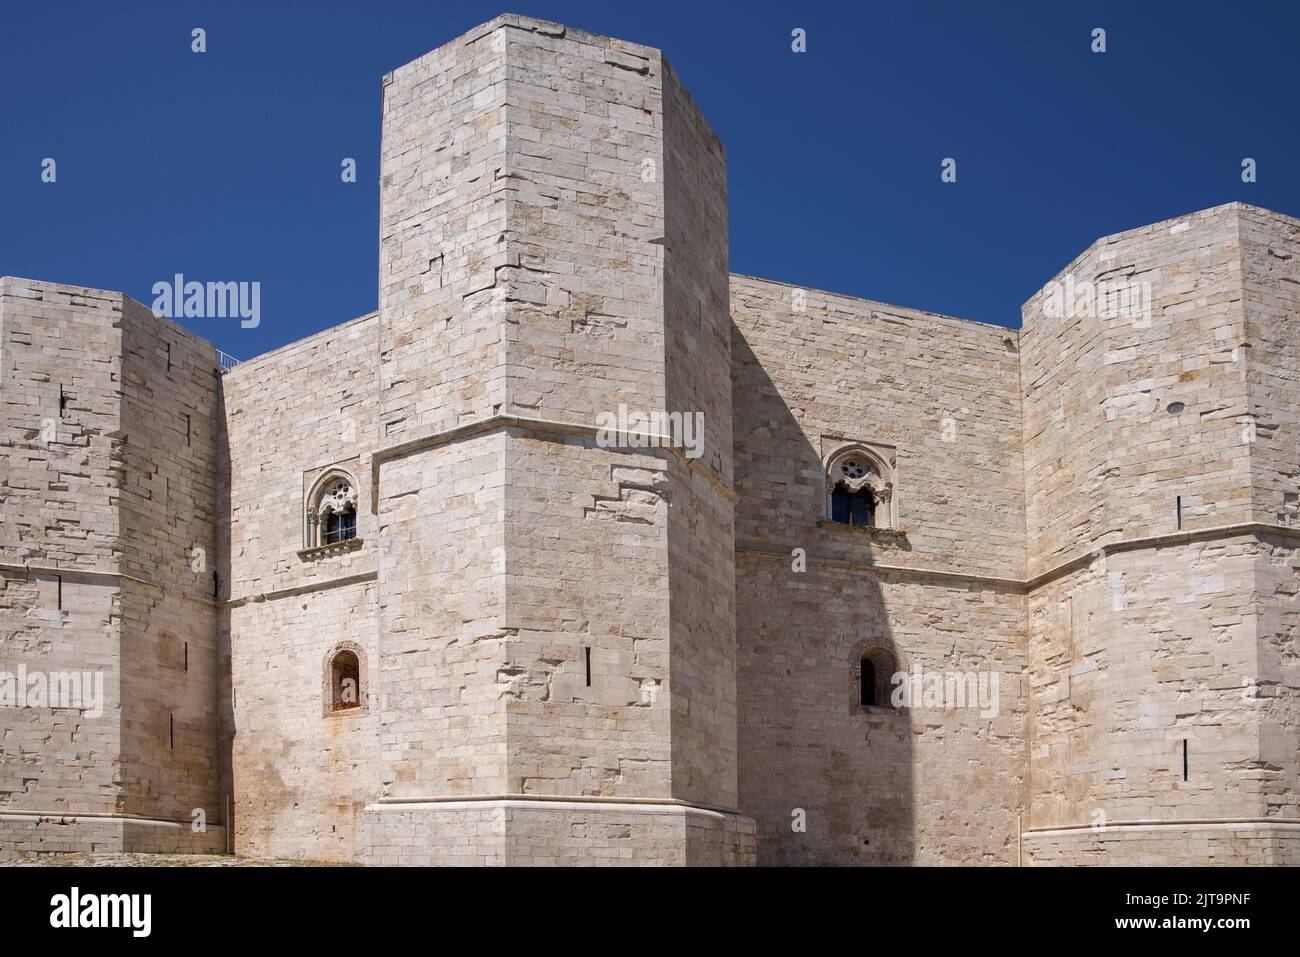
{"type": "Point", "coordinates": [588, 650]}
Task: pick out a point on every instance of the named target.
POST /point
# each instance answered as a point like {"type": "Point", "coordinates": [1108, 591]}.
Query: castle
{"type": "Point", "coordinates": [923, 591]}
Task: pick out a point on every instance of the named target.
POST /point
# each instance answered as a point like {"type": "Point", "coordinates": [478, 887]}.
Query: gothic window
{"type": "Point", "coordinates": [331, 511]}
{"type": "Point", "coordinates": [859, 487]}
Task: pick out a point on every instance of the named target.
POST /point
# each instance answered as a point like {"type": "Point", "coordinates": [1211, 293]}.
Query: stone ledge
{"type": "Point", "coordinates": [326, 551]}
{"type": "Point", "coordinates": [875, 531]}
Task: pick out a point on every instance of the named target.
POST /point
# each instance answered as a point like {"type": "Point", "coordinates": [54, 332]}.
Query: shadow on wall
{"type": "Point", "coordinates": [222, 592]}
{"type": "Point", "coordinates": [827, 777]}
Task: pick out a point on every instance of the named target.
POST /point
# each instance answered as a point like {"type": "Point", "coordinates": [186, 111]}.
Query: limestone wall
{"type": "Point", "coordinates": [593, 648]}
{"type": "Point", "coordinates": [59, 341]}
{"type": "Point", "coordinates": [105, 499]}
{"type": "Point", "coordinates": [1105, 459]}
{"type": "Point", "coordinates": [443, 255]}
{"type": "Point", "coordinates": [876, 786]}
{"type": "Point", "coordinates": [299, 777]}
{"type": "Point", "coordinates": [1133, 656]}
{"type": "Point", "coordinates": [169, 725]}
{"type": "Point", "coordinates": [1163, 697]}
{"type": "Point", "coordinates": [942, 391]}
{"type": "Point", "coordinates": [1270, 351]}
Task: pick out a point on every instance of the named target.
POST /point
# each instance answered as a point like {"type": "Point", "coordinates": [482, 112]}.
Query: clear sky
{"type": "Point", "coordinates": [225, 165]}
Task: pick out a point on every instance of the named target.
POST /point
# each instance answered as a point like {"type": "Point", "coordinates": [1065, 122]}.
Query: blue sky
{"type": "Point", "coordinates": [225, 165]}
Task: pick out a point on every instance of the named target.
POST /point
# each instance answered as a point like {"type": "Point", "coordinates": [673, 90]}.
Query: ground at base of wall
{"type": "Point", "coordinates": [160, 860]}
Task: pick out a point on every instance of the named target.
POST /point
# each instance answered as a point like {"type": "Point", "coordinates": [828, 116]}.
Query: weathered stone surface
{"type": "Point", "coordinates": [569, 650]}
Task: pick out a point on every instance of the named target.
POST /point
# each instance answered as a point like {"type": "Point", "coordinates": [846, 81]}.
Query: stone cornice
{"type": "Point", "coordinates": [1025, 585]}
{"type": "Point", "coordinates": [496, 423]}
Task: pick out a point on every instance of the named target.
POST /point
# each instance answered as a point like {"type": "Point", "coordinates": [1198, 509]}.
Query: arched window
{"type": "Point", "coordinates": [345, 679]}
{"type": "Point", "coordinates": [859, 486]}
{"type": "Point", "coordinates": [876, 671]}
{"type": "Point", "coordinates": [331, 511]}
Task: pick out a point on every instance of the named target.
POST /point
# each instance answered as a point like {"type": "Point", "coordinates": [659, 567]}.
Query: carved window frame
{"type": "Point", "coordinates": [878, 475]}
{"type": "Point", "coordinates": [325, 497]}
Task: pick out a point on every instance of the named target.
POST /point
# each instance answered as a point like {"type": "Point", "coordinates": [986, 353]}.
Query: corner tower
{"type": "Point", "coordinates": [1160, 412]}
{"type": "Point", "coordinates": [556, 611]}
{"type": "Point", "coordinates": [108, 448]}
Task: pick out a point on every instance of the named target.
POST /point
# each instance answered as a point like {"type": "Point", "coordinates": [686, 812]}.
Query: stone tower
{"type": "Point", "coordinates": [107, 500]}
{"type": "Point", "coordinates": [556, 612]}
{"type": "Point", "coordinates": [1160, 463]}
{"type": "Point", "coordinates": [566, 643]}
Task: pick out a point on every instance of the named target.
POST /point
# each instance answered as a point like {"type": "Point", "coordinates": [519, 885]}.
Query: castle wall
{"type": "Point", "coordinates": [299, 777]}
{"type": "Point", "coordinates": [587, 332]}
{"type": "Point", "coordinates": [941, 390]}
{"type": "Point", "coordinates": [1270, 351]}
{"type": "Point", "coordinates": [562, 146]}
{"type": "Point", "coordinates": [1271, 284]}
{"type": "Point", "coordinates": [578, 648]}
{"type": "Point", "coordinates": [92, 570]}
{"type": "Point", "coordinates": [168, 509]}
{"type": "Point", "coordinates": [1104, 458]}
{"type": "Point", "coordinates": [701, 515]}
{"type": "Point", "coordinates": [442, 648]}
{"type": "Point", "coordinates": [60, 489]}
{"type": "Point", "coordinates": [1133, 657]}
{"type": "Point", "coordinates": [1148, 639]}
{"type": "Point", "coordinates": [923, 785]}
